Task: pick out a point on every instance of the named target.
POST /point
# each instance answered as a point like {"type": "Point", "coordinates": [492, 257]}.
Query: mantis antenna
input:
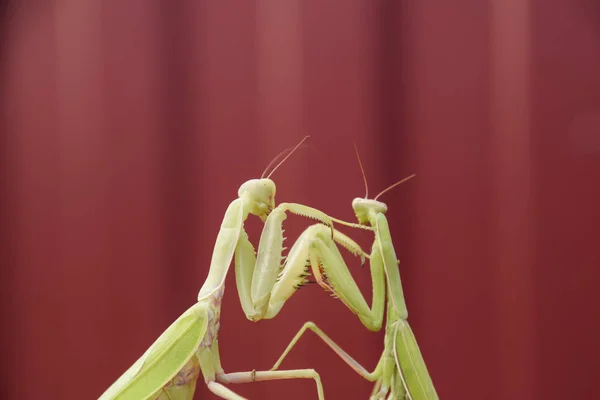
{"type": "Point", "coordinates": [394, 185]}
{"type": "Point", "coordinates": [286, 157]}
{"type": "Point", "coordinates": [362, 170]}
{"type": "Point", "coordinates": [365, 177]}
{"type": "Point", "coordinates": [274, 160]}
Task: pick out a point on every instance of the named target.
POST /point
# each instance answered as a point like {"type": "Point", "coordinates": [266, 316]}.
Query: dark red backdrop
{"type": "Point", "coordinates": [127, 127]}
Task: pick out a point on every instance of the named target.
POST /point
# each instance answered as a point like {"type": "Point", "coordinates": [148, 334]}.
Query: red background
{"type": "Point", "coordinates": [127, 127]}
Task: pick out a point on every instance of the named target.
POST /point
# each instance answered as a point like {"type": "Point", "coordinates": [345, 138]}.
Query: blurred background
{"type": "Point", "coordinates": [128, 126]}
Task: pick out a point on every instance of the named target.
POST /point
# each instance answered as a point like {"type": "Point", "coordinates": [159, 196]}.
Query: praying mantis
{"type": "Point", "coordinates": [401, 372]}
{"type": "Point", "coordinates": [170, 367]}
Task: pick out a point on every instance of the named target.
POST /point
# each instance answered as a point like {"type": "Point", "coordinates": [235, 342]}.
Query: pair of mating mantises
{"type": "Point", "coordinates": [168, 370]}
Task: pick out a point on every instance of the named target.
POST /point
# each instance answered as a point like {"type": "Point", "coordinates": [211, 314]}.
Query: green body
{"type": "Point", "coordinates": [189, 347]}
{"type": "Point", "coordinates": [401, 372]}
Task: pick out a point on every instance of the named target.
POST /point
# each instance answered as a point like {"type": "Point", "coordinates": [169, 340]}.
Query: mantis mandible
{"type": "Point", "coordinates": [171, 366]}
{"type": "Point", "coordinates": [401, 372]}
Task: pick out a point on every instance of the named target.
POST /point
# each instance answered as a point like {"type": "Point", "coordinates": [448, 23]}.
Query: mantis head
{"type": "Point", "coordinates": [366, 210]}
{"type": "Point", "coordinates": [261, 193]}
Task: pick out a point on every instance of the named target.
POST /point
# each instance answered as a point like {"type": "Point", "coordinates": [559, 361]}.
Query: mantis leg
{"type": "Point", "coordinates": [315, 247]}
{"type": "Point", "coordinates": [263, 285]}
{"type": "Point", "coordinates": [359, 369]}
{"type": "Point", "coordinates": [223, 392]}
{"type": "Point", "coordinates": [387, 373]}
{"type": "Point", "coordinates": [258, 376]}
{"type": "Point", "coordinates": [331, 272]}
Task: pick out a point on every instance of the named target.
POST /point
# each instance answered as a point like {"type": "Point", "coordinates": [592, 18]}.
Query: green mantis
{"type": "Point", "coordinates": [188, 348]}
{"type": "Point", "coordinates": [401, 372]}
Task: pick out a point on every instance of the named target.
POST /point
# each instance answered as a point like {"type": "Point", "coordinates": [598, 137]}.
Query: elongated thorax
{"type": "Point", "coordinates": [224, 249]}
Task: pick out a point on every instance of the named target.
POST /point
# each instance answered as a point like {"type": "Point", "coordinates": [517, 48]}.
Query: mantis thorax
{"type": "Point", "coordinates": [260, 195]}
{"type": "Point", "coordinates": [367, 209]}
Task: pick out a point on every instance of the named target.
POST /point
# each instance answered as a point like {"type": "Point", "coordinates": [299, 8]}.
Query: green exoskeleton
{"type": "Point", "coordinates": [401, 372]}
{"type": "Point", "coordinates": [169, 369]}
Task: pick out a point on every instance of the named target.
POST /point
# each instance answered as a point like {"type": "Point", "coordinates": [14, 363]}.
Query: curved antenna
{"type": "Point", "coordinates": [362, 170]}
{"type": "Point", "coordinates": [286, 157]}
{"type": "Point", "coordinates": [394, 185]}
{"type": "Point", "coordinates": [274, 160]}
